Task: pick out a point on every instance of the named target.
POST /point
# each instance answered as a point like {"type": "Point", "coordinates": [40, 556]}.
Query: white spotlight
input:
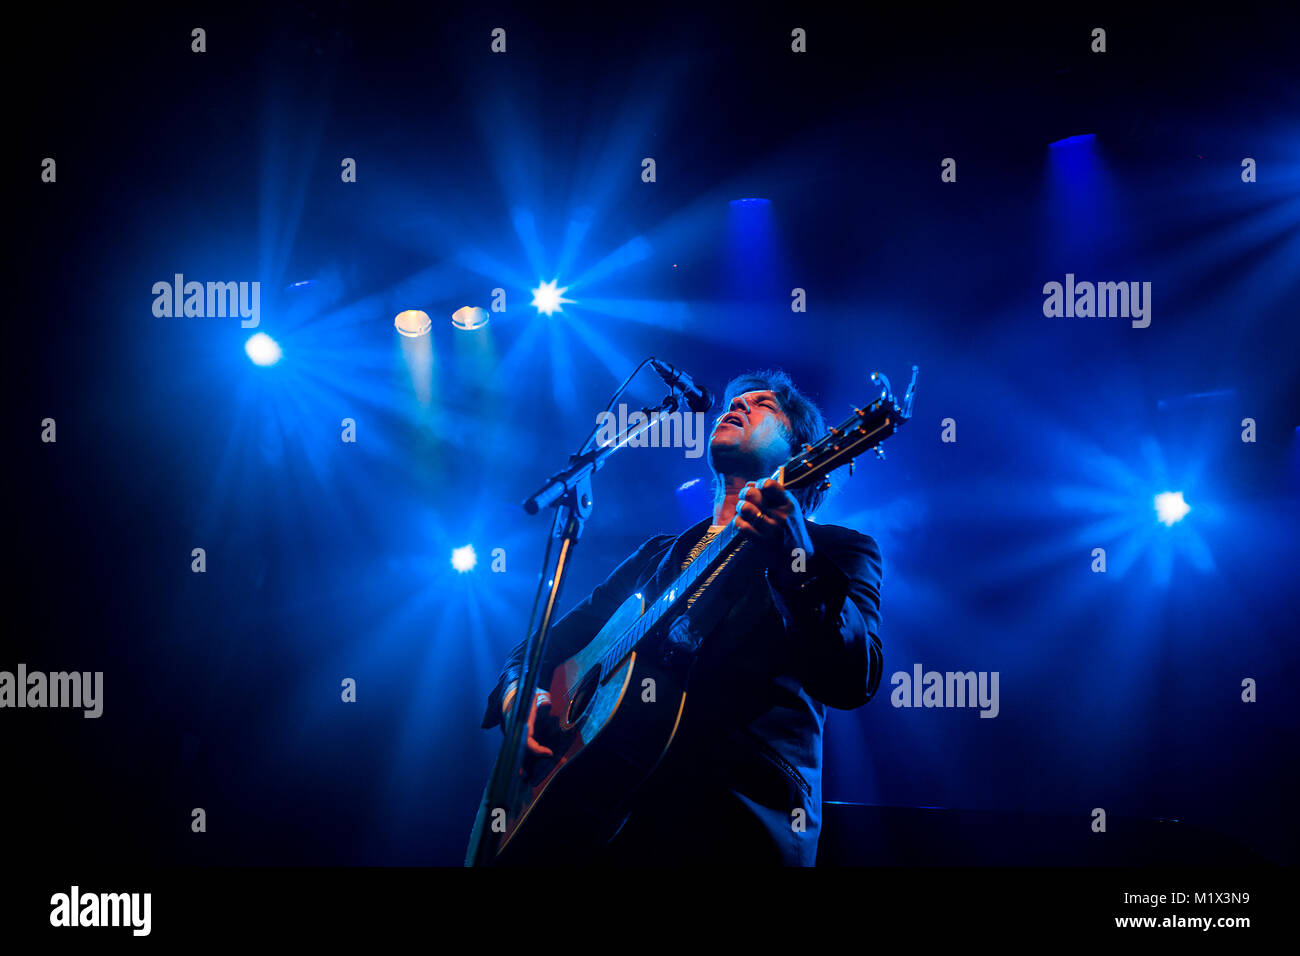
{"type": "Point", "coordinates": [463, 559]}
{"type": "Point", "coordinates": [1170, 507]}
{"type": "Point", "coordinates": [469, 318]}
{"type": "Point", "coordinates": [412, 323]}
{"type": "Point", "coordinates": [548, 299]}
{"type": "Point", "coordinates": [262, 349]}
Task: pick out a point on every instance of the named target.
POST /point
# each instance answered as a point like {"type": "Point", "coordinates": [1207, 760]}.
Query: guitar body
{"type": "Point", "coordinates": [610, 739]}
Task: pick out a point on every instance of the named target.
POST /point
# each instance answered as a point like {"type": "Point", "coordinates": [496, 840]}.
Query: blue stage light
{"type": "Point", "coordinates": [1074, 140]}
{"type": "Point", "coordinates": [262, 349]}
{"type": "Point", "coordinates": [1170, 507]}
{"type": "Point", "coordinates": [463, 559]}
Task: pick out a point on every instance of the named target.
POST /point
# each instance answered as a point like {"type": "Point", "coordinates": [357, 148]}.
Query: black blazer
{"type": "Point", "coordinates": [741, 782]}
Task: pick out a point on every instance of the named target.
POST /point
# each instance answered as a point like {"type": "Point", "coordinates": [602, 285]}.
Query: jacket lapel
{"type": "Point", "coordinates": [671, 564]}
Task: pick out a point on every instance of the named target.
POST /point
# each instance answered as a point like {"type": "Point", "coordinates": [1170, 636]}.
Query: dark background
{"type": "Point", "coordinates": [328, 560]}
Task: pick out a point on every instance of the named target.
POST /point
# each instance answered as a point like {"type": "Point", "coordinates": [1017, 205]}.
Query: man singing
{"type": "Point", "coordinates": [794, 629]}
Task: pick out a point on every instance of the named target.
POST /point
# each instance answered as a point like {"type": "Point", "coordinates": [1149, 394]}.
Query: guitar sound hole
{"type": "Point", "coordinates": [582, 698]}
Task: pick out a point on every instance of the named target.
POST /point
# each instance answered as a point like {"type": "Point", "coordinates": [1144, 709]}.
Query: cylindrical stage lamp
{"type": "Point", "coordinates": [413, 323]}
{"type": "Point", "coordinates": [469, 318]}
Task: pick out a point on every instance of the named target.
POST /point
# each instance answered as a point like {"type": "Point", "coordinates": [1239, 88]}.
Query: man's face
{"type": "Point", "coordinates": [749, 438]}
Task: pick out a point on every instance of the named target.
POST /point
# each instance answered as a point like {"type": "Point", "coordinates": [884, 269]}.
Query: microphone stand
{"type": "Point", "coordinates": [570, 491]}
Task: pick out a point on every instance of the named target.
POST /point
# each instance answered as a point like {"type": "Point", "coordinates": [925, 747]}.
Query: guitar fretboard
{"type": "Point", "coordinates": [681, 588]}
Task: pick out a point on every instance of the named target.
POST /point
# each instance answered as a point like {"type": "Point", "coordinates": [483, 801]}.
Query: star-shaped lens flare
{"type": "Point", "coordinates": [548, 299]}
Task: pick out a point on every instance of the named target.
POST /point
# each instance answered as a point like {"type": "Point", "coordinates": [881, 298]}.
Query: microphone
{"type": "Point", "coordinates": [698, 398]}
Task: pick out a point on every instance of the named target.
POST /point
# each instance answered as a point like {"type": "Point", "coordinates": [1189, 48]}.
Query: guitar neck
{"type": "Point", "coordinates": [682, 586]}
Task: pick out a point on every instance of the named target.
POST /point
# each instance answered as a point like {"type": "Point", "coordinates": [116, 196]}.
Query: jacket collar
{"type": "Point", "coordinates": [671, 564]}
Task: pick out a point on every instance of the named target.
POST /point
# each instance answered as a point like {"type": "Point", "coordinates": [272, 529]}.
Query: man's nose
{"type": "Point", "coordinates": [738, 404]}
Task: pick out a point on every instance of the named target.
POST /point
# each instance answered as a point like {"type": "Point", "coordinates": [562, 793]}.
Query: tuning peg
{"type": "Point", "coordinates": [852, 462]}
{"type": "Point", "coordinates": [880, 453]}
{"type": "Point", "coordinates": [826, 484]}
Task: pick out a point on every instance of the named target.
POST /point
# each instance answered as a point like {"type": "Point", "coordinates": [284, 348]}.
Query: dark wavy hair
{"type": "Point", "coordinates": [806, 421]}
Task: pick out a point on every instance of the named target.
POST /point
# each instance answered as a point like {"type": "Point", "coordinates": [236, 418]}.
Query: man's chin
{"type": "Point", "coordinates": [726, 453]}
{"type": "Point", "coordinates": [727, 441]}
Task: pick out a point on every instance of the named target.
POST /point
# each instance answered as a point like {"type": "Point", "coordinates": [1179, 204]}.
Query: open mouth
{"type": "Point", "coordinates": [731, 418]}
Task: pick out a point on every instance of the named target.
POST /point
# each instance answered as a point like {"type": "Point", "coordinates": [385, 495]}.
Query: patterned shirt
{"type": "Point", "coordinates": [703, 543]}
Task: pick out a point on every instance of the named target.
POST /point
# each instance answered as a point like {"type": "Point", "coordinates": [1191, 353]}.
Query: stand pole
{"type": "Point", "coordinates": [570, 491]}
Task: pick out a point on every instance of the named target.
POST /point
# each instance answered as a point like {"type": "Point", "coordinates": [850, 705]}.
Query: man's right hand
{"type": "Point", "coordinates": [542, 702]}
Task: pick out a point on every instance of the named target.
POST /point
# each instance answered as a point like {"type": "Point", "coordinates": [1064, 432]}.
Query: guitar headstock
{"type": "Point", "coordinates": [863, 431]}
